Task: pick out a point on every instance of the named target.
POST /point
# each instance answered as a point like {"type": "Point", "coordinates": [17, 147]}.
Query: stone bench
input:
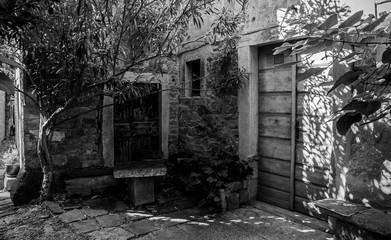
{"type": "Point", "coordinates": [139, 176]}
{"type": "Point", "coordinates": [355, 221]}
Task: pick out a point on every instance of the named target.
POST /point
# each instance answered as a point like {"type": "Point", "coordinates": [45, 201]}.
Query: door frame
{"type": "Point", "coordinates": [164, 114]}
{"type": "Point", "coordinates": [248, 119]}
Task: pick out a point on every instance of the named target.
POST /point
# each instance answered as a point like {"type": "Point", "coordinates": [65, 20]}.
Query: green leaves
{"type": "Point", "coordinates": [364, 107]}
{"type": "Point", "coordinates": [346, 79]}
{"type": "Point", "coordinates": [285, 46]}
{"type": "Point", "coordinates": [9, 62]}
{"type": "Point", "coordinates": [6, 84]}
{"type": "Point", "coordinates": [346, 121]}
{"type": "Point", "coordinates": [386, 57]}
{"type": "Point", "coordinates": [330, 21]}
{"type": "Point", "coordinates": [355, 18]}
{"type": "Point", "coordinates": [360, 108]}
{"type": "Point", "coordinates": [376, 23]}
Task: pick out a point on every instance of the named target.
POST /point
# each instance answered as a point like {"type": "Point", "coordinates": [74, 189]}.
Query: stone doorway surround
{"type": "Point", "coordinates": [164, 106]}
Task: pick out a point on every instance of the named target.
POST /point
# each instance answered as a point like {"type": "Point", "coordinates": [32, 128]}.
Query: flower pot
{"type": "Point", "coordinates": [12, 170]}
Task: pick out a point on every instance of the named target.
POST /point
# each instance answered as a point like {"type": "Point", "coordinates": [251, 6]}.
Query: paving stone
{"type": "Point", "coordinates": [212, 229]}
{"type": "Point", "coordinates": [94, 212]}
{"type": "Point", "coordinates": [48, 229]}
{"type": "Point", "coordinates": [164, 221]}
{"type": "Point", "coordinates": [270, 226]}
{"type": "Point", "coordinates": [85, 226]}
{"type": "Point", "coordinates": [172, 233]}
{"type": "Point", "coordinates": [72, 216]}
{"type": "Point", "coordinates": [110, 220]}
{"type": "Point", "coordinates": [132, 215]}
{"type": "Point", "coordinates": [67, 208]}
{"type": "Point", "coordinates": [149, 236]}
{"type": "Point", "coordinates": [110, 234]}
{"type": "Point", "coordinates": [9, 219]}
{"type": "Point", "coordinates": [53, 207]}
{"type": "Point", "coordinates": [142, 227]}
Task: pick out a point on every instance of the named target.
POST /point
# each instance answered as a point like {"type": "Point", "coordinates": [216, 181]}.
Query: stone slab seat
{"type": "Point", "coordinates": [350, 218]}
{"type": "Point", "coordinates": [140, 179]}
{"type": "Point", "coordinates": [145, 168]}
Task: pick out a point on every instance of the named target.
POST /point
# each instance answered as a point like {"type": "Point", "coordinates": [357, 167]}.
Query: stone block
{"type": "Point", "coordinates": [141, 190]}
{"type": "Point", "coordinates": [58, 136]}
{"type": "Point", "coordinates": [110, 220]}
{"type": "Point", "coordinates": [8, 182]}
{"type": "Point", "coordinates": [59, 160]}
{"type": "Point", "coordinates": [85, 226]}
{"type": "Point", "coordinates": [53, 207]}
{"type": "Point", "coordinates": [223, 201]}
{"type": "Point", "coordinates": [244, 196]}
{"type": "Point", "coordinates": [110, 233]}
{"type": "Point", "coordinates": [343, 230]}
{"type": "Point", "coordinates": [133, 215]}
{"type": "Point", "coordinates": [234, 186]}
{"type": "Point", "coordinates": [141, 169]}
{"type": "Point", "coordinates": [142, 227]}
{"type": "Point", "coordinates": [72, 216]}
{"type": "Point", "coordinates": [94, 212]}
{"type": "Point", "coordinates": [85, 186]}
{"type": "Point", "coordinates": [233, 201]}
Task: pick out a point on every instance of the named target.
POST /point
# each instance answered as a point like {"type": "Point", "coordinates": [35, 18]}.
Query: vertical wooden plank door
{"type": "Point", "coordinates": [294, 144]}
{"type": "Point", "coordinates": [275, 133]}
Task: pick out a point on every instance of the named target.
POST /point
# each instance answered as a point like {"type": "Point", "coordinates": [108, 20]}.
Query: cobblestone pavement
{"type": "Point", "coordinates": [120, 223]}
{"type": "Point", "coordinates": [97, 220]}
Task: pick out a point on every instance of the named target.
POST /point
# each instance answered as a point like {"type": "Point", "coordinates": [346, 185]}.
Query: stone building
{"type": "Point", "coordinates": [284, 127]}
{"type": "Point", "coordinates": [279, 125]}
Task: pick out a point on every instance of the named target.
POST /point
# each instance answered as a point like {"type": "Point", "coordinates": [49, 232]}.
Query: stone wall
{"type": "Point", "coordinates": [368, 177]}
{"type": "Point", "coordinates": [75, 143]}
{"type": "Point", "coordinates": [234, 195]}
{"type": "Point", "coordinates": [173, 125]}
{"type": "Point", "coordinates": [208, 125]}
{"type": "Point", "coordinates": [31, 129]}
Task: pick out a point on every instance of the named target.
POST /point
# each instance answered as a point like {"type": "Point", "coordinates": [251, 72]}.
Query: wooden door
{"type": "Point", "coordinates": [136, 128]}
{"type": "Point", "coordinates": [288, 177]}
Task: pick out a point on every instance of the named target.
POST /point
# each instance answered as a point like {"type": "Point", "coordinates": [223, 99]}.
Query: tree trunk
{"type": "Point", "coordinates": [45, 158]}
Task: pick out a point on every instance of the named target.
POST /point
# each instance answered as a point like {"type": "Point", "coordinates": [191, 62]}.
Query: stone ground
{"type": "Point", "coordinates": [98, 219]}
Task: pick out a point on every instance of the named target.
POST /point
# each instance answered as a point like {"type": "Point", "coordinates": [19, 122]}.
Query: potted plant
{"type": "Point", "coordinates": [11, 160]}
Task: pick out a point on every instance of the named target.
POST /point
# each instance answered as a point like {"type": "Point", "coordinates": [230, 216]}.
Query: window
{"type": "Point", "coordinates": [194, 77]}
